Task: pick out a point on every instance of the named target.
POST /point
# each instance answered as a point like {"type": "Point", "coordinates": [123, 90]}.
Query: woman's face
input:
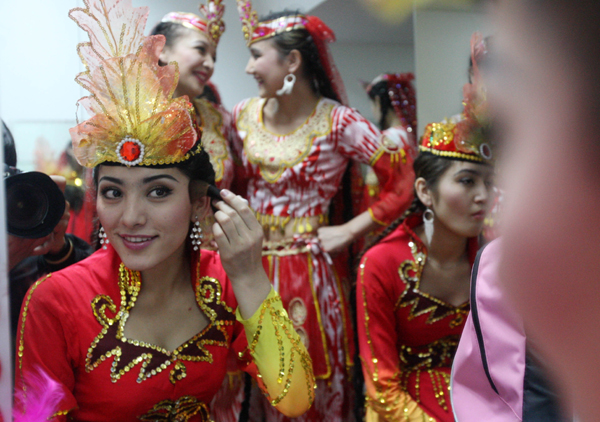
{"type": "Point", "coordinates": [145, 213]}
{"type": "Point", "coordinates": [267, 67]}
{"type": "Point", "coordinates": [196, 56]}
{"type": "Point", "coordinates": [462, 198]}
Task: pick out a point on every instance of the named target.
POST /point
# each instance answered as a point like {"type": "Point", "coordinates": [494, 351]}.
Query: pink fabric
{"type": "Point", "coordinates": [473, 398]}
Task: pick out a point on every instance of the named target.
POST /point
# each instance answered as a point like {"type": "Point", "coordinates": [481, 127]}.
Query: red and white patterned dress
{"type": "Point", "coordinates": [291, 180]}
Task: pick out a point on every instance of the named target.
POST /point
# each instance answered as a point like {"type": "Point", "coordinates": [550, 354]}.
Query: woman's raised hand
{"type": "Point", "coordinates": [239, 237]}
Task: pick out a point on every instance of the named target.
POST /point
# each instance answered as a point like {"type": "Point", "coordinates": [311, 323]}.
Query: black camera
{"type": "Point", "coordinates": [34, 203]}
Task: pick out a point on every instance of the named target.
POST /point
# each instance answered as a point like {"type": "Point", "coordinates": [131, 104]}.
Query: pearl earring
{"type": "Point", "coordinates": [196, 235]}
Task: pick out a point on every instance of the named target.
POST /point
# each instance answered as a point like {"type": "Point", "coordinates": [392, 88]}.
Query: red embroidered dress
{"type": "Point", "coordinates": [407, 338]}
{"type": "Point", "coordinates": [72, 328]}
{"type": "Point", "coordinates": [291, 181]}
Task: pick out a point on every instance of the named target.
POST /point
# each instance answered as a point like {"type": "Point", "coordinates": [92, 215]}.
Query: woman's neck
{"type": "Point", "coordinates": [168, 275]}
{"type": "Point", "coordinates": [392, 120]}
{"type": "Point", "coordinates": [446, 247]}
{"type": "Point", "coordinates": [291, 109]}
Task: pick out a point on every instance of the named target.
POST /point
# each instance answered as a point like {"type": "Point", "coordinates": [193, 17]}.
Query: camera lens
{"type": "Point", "coordinates": [27, 206]}
{"type": "Point", "coordinates": [34, 204]}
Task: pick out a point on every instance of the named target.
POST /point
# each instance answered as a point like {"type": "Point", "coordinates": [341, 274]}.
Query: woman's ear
{"type": "Point", "coordinates": [200, 201]}
{"type": "Point", "coordinates": [294, 59]}
{"type": "Point", "coordinates": [423, 192]}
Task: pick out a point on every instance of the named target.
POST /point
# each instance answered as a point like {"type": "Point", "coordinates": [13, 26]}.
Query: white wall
{"type": "Point", "coordinates": [442, 52]}
{"type": "Point", "coordinates": [38, 48]}
{"type": "Point", "coordinates": [358, 62]}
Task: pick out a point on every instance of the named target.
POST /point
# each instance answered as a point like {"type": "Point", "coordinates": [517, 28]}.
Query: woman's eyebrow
{"type": "Point", "coordinates": [159, 176]}
{"type": "Point", "coordinates": [111, 179]}
{"type": "Point", "coordinates": [470, 171]}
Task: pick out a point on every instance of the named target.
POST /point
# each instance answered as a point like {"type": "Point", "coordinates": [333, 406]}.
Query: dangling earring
{"type": "Point", "coordinates": [428, 224]}
{"type": "Point", "coordinates": [196, 235]}
{"type": "Point", "coordinates": [288, 84]}
{"type": "Point", "coordinates": [103, 237]}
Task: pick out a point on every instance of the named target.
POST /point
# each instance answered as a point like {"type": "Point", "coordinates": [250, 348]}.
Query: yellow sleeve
{"type": "Point", "coordinates": [284, 366]}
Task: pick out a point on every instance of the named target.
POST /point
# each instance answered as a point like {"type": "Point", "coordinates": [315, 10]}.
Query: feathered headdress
{"type": "Point", "coordinates": [135, 120]}
{"type": "Point", "coordinates": [469, 138]}
{"type": "Point", "coordinates": [212, 25]}
{"type": "Point", "coordinates": [255, 30]}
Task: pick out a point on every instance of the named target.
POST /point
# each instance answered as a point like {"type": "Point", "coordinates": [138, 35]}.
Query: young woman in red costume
{"type": "Point", "coordinates": [296, 140]}
{"type": "Point", "coordinates": [192, 42]}
{"type": "Point", "coordinates": [142, 329]}
{"type": "Point", "coordinates": [413, 284]}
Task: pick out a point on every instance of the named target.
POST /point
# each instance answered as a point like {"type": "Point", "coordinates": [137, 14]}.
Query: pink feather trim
{"type": "Point", "coordinates": [41, 399]}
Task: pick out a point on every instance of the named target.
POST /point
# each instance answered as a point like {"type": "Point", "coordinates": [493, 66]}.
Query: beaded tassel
{"type": "Point", "coordinates": [103, 238]}
{"type": "Point", "coordinates": [196, 235]}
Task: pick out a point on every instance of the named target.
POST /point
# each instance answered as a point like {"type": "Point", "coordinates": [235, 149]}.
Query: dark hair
{"type": "Point", "coordinates": [380, 90]}
{"type": "Point", "coordinates": [428, 166]}
{"type": "Point", "coordinates": [301, 40]}
{"type": "Point", "coordinates": [197, 167]}
{"type": "Point", "coordinates": [10, 152]}
{"type": "Point", "coordinates": [170, 30]}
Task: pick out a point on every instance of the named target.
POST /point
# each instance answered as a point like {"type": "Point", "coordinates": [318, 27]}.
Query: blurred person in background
{"type": "Point", "coordinates": [545, 93]}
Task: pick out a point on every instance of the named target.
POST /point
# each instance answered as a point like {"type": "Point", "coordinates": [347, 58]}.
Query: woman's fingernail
{"type": "Point", "coordinates": [225, 193]}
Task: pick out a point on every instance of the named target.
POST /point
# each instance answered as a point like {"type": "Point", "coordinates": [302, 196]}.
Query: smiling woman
{"type": "Point", "coordinates": [142, 329]}
{"type": "Point", "coordinates": [192, 42]}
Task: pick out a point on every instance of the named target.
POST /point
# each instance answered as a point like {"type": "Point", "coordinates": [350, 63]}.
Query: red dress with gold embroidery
{"type": "Point", "coordinates": [72, 328]}
{"type": "Point", "coordinates": [291, 181]}
{"type": "Point", "coordinates": [407, 338]}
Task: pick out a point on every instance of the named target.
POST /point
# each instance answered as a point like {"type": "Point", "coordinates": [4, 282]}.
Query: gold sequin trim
{"type": "Point", "coordinates": [283, 326]}
{"type": "Point", "coordinates": [410, 272]}
{"type": "Point", "coordinates": [208, 292]}
{"type": "Point", "coordinates": [21, 348]}
{"type": "Point", "coordinates": [452, 154]}
{"type": "Point", "coordinates": [61, 413]}
{"type": "Point", "coordinates": [275, 153]}
{"type": "Point", "coordinates": [301, 225]}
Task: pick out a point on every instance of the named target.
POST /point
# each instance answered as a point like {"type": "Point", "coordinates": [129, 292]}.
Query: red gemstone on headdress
{"type": "Point", "coordinates": [130, 151]}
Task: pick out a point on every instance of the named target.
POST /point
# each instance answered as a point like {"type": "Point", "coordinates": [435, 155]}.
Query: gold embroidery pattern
{"type": "Point", "coordinates": [151, 359]}
{"type": "Point", "coordinates": [387, 146]}
{"type": "Point", "coordinates": [427, 359]}
{"type": "Point", "coordinates": [283, 326]}
{"type": "Point", "coordinates": [213, 141]}
{"type": "Point", "coordinates": [181, 410]}
{"type": "Point", "coordinates": [21, 348]}
{"type": "Point", "coordinates": [421, 303]}
{"type": "Point", "coordinates": [275, 153]}
{"type": "Point", "coordinates": [301, 225]}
